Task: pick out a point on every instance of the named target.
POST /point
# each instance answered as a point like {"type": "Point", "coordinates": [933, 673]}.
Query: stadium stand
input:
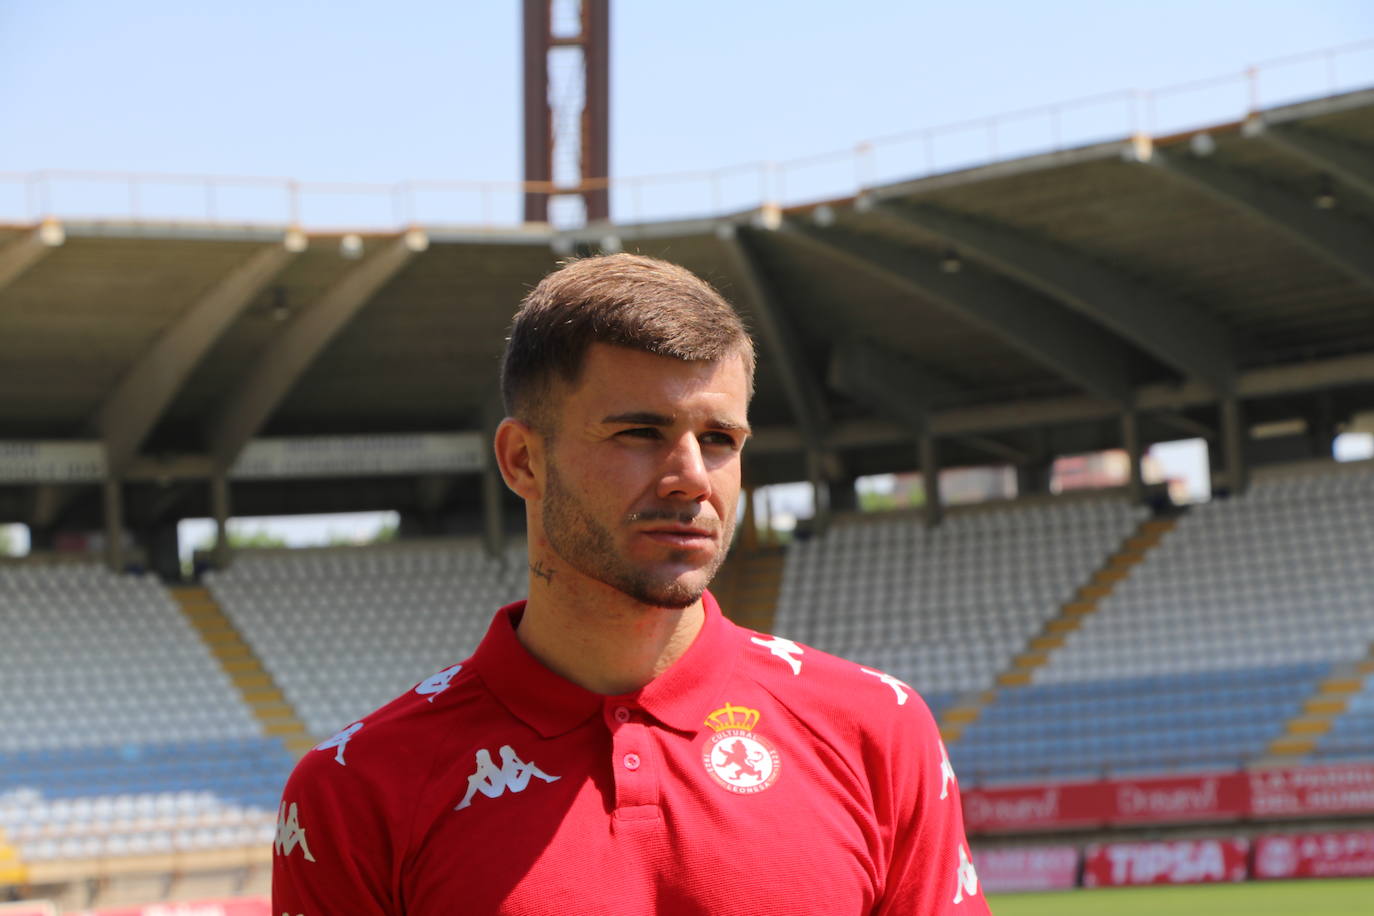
{"type": "Point", "coordinates": [92, 659]}
{"type": "Point", "coordinates": [123, 735]}
{"type": "Point", "coordinates": [1352, 734]}
{"type": "Point", "coordinates": [1208, 650]}
{"type": "Point", "coordinates": [343, 631]}
{"type": "Point", "coordinates": [946, 609]}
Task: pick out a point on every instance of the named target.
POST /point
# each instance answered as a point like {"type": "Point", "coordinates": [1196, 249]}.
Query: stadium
{"type": "Point", "coordinates": [967, 350]}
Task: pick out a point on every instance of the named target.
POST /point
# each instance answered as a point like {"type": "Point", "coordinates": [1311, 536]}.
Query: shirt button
{"type": "Point", "coordinates": [631, 761]}
{"type": "Point", "coordinates": [622, 714]}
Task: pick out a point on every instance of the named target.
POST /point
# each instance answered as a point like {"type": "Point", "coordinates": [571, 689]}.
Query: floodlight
{"type": "Point", "coordinates": [351, 246]}
{"type": "Point", "coordinates": [416, 240]}
{"type": "Point", "coordinates": [51, 233]}
{"type": "Point", "coordinates": [295, 241]}
{"type": "Point", "coordinates": [1202, 144]}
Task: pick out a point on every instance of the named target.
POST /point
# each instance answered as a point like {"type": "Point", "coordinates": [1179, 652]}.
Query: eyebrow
{"type": "Point", "coordinates": [649, 418]}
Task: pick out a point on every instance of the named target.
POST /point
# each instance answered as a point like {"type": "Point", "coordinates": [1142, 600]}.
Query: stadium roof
{"type": "Point", "coordinates": [1013, 311]}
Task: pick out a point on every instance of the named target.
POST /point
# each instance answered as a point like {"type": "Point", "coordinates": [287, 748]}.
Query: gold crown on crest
{"type": "Point", "coordinates": [729, 716]}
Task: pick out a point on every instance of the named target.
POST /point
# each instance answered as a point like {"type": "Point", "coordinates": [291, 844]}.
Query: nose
{"type": "Point", "coordinates": [684, 474]}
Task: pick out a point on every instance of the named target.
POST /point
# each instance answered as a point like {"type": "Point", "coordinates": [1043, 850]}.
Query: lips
{"type": "Point", "coordinates": [681, 536]}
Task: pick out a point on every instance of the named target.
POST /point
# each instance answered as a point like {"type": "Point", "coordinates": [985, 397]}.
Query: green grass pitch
{"type": "Point", "coordinates": [1326, 897]}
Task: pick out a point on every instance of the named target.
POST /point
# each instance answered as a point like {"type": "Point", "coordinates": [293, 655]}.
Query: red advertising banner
{"type": "Point", "coordinates": [1174, 862]}
{"type": "Point", "coordinates": [1027, 868]}
{"type": "Point", "coordinates": [1168, 799]}
{"type": "Point", "coordinates": [1344, 789]}
{"type": "Point", "coordinates": [1015, 808]}
{"type": "Point", "coordinates": [1176, 799]}
{"type": "Point", "coordinates": [1203, 797]}
{"type": "Point", "coordinates": [30, 908]}
{"type": "Point", "coordinates": [1314, 855]}
{"type": "Point", "coordinates": [243, 906]}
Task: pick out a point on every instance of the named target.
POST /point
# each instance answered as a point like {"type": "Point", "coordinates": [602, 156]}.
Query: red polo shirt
{"type": "Point", "coordinates": [754, 776]}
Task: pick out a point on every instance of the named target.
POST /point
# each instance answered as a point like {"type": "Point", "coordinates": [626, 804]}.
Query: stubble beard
{"type": "Point", "coordinates": [589, 547]}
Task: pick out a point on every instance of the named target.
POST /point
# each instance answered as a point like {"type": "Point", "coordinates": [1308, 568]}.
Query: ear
{"type": "Point", "coordinates": [520, 456]}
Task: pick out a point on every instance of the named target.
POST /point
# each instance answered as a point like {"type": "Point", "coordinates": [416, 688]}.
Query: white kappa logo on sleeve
{"type": "Point", "coordinates": [784, 649]}
{"type": "Point", "coordinates": [340, 741]}
{"type": "Point", "coordinates": [966, 878]}
{"type": "Point", "coordinates": [946, 773]}
{"type": "Point", "coordinates": [896, 685]}
{"type": "Point", "coordinates": [290, 833]}
{"type": "Point", "coordinates": [512, 775]}
{"type": "Point", "coordinates": [438, 683]}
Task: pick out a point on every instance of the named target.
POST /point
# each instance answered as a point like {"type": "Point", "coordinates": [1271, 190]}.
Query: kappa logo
{"type": "Point", "coordinates": [290, 833]}
{"type": "Point", "coordinates": [898, 687]}
{"type": "Point", "coordinates": [735, 756]}
{"type": "Point", "coordinates": [512, 775]}
{"type": "Point", "coordinates": [340, 741]}
{"type": "Point", "coordinates": [784, 649]}
{"type": "Point", "coordinates": [438, 683]}
{"type": "Point", "coordinates": [966, 878]}
{"type": "Point", "coordinates": [946, 772]}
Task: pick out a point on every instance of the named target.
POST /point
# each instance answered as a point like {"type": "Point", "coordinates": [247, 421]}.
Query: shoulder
{"type": "Point", "coordinates": [389, 753]}
{"type": "Point", "coordinates": [850, 701]}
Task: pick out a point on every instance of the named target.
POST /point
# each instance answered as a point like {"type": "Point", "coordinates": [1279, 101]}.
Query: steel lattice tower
{"type": "Point", "coordinates": [567, 110]}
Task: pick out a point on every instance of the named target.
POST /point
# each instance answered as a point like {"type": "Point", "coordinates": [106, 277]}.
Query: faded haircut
{"type": "Point", "coordinates": [626, 300]}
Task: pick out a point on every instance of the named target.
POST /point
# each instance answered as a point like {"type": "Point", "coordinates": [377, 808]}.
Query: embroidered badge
{"type": "Point", "coordinates": [736, 757]}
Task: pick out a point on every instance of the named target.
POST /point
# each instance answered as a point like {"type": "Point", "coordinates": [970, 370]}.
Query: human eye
{"type": "Point", "coordinates": [639, 432]}
{"type": "Point", "coordinates": [721, 440]}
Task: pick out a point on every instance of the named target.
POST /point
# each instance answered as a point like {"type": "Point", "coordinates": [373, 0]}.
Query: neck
{"type": "Point", "coordinates": [598, 637]}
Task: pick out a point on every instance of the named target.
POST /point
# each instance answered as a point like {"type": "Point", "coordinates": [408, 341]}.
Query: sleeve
{"type": "Point", "coordinates": [930, 868]}
{"type": "Point", "coordinates": [330, 857]}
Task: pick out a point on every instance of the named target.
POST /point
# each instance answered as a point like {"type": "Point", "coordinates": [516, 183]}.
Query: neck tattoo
{"type": "Point", "coordinates": [539, 570]}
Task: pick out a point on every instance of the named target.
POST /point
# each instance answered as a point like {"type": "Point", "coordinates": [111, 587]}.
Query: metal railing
{"type": "Point", "coordinates": [29, 197]}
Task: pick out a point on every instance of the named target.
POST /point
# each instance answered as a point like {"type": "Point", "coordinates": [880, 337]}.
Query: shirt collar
{"type": "Point", "coordinates": [552, 705]}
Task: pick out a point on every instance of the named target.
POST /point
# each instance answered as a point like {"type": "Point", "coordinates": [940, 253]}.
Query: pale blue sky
{"type": "Point", "coordinates": [351, 91]}
{"type": "Point", "coordinates": [430, 89]}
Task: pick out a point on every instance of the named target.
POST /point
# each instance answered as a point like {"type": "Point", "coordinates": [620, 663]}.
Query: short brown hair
{"type": "Point", "coordinates": [626, 300]}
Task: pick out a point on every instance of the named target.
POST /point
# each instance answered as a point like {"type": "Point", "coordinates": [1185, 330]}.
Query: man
{"type": "Point", "coordinates": [615, 745]}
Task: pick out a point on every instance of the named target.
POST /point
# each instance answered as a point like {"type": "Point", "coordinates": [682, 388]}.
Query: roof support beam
{"type": "Point", "coordinates": [292, 352]}
{"type": "Point", "coordinates": [18, 256]}
{"type": "Point", "coordinates": [1161, 400]}
{"type": "Point", "coordinates": [1343, 242]}
{"type": "Point", "coordinates": [1174, 332]}
{"type": "Point", "coordinates": [134, 407]}
{"type": "Point", "coordinates": [1350, 164]}
{"type": "Point", "coordinates": [1058, 339]}
{"type": "Point", "coordinates": [783, 343]}
{"type": "Point", "coordinates": [871, 374]}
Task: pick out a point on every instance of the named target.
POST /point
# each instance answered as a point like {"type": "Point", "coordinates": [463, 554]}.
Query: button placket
{"type": "Point", "coordinates": [634, 767]}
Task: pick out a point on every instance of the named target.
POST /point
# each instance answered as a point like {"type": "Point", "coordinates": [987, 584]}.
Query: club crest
{"type": "Point", "coordinates": [736, 756]}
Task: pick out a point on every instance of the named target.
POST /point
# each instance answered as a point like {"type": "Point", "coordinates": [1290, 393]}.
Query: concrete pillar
{"type": "Point", "coordinates": [820, 488]}
{"type": "Point", "coordinates": [747, 534]}
{"type": "Point", "coordinates": [162, 547]}
{"type": "Point", "coordinates": [930, 480]}
{"type": "Point", "coordinates": [1233, 437]}
{"type": "Point", "coordinates": [219, 505]}
{"type": "Point", "coordinates": [1033, 477]}
{"type": "Point", "coordinates": [1130, 439]}
{"type": "Point", "coordinates": [843, 496]}
{"type": "Point", "coordinates": [1321, 427]}
{"type": "Point", "coordinates": [114, 524]}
